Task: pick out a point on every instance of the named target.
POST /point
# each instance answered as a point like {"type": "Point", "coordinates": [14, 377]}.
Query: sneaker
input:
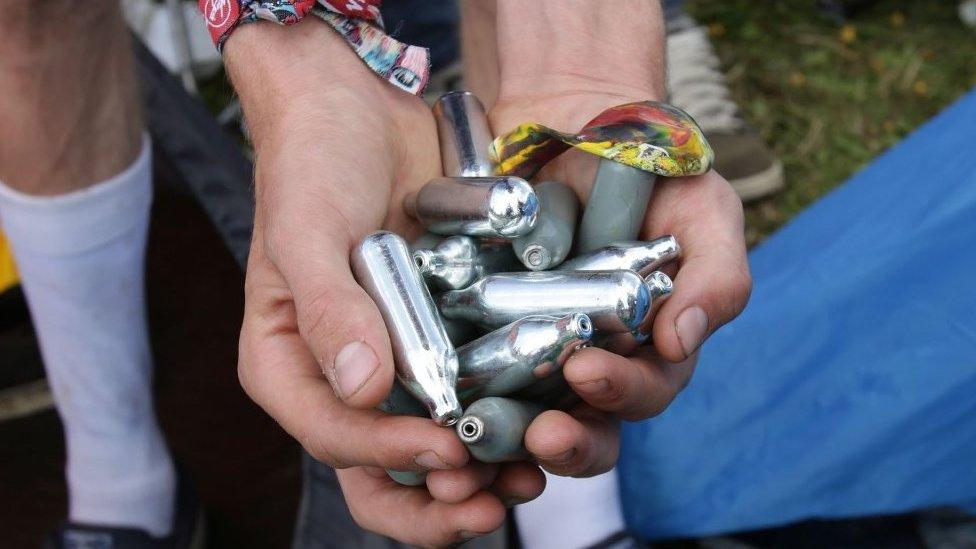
{"type": "Point", "coordinates": [189, 530]}
{"type": "Point", "coordinates": [967, 13]}
{"type": "Point", "coordinates": [697, 85]}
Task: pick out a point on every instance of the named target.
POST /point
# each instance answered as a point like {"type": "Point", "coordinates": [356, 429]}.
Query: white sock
{"type": "Point", "coordinates": [572, 513]}
{"type": "Point", "coordinates": [81, 257]}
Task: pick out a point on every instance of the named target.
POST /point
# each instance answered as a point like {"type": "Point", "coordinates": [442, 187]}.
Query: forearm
{"type": "Point", "coordinates": [563, 47]}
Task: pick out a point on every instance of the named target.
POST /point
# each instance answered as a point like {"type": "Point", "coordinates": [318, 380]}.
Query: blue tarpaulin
{"type": "Point", "coordinates": [848, 386]}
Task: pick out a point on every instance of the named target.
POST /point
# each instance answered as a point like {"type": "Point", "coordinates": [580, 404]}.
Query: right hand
{"type": "Point", "coordinates": [337, 149]}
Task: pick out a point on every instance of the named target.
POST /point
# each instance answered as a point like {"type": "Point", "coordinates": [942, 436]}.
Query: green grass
{"type": "Point", "coordinates": [829, 97]}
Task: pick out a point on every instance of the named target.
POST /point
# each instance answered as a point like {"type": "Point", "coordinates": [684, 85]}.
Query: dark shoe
{"type": "Point", "coordinates": [189, 530]}
{"type": "Point", "coordinates": [698, 86]}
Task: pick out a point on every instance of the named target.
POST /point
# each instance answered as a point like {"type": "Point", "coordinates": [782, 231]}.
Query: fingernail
{"type": "Point", "coordinates": [430, 460]}
{"type": "Point", "coordinates": [691, 326]}
{"type": "Point", "coordinates": [561, 458]}
{"type": "Point", "coordinates": [594, 387]}
{"type": "Point", "coordinates": [353, 366]}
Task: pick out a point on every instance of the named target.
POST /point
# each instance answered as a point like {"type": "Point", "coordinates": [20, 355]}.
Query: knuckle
{"type": "Point", "coordinates": [320, 321]}
{"type": "Point", "coordinates": [381, 450]}
{"type": "Point", "coordinates": [657, 397]}
{"type": "Point", "coordinates": [320, 442]}
{"type": "Point", "coordinates": [615, 394]}
{"type": "Point", "coordinates": [727, 201]}
{"type": "Point", "coordinates": [244, 376]}
{"type": "Point", "coordinates": [742, 288]}
{"type": "Point", "coordinates": [657, 402]}
{"type": "Point", "coordinates": [735, 294]}
{"type": "Point", "coordinates": [319, 449]}
{"type": "Point", "coordinates": [244, 373]}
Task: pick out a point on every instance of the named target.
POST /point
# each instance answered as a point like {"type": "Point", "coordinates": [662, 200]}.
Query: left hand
{"type": "Point", "coordinates": [711, 281]}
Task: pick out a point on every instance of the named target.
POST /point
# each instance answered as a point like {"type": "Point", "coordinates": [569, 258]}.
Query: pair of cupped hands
{"type": "Point", "coordinates": [337, 151]}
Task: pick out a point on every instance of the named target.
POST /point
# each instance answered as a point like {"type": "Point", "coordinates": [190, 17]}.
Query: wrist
{"type": "Point", "coordinates": [284, 75]}
{"type": "Point", "coordinates": [549, 48]}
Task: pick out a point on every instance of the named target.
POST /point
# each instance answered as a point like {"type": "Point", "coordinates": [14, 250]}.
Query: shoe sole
{"type": "Point", "coordinates": [24, 400]}
{"type": "Point", "coordinates": [760, 184]}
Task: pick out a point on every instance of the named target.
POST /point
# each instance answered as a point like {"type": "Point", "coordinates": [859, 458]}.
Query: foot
{"type": "Point", "coordinates": [698, 86]}
{"type": "Point", "coordinates": [188, 530]}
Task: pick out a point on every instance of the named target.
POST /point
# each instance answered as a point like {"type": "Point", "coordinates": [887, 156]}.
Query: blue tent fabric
{"type": "Point", "coordinates": [848, 386]}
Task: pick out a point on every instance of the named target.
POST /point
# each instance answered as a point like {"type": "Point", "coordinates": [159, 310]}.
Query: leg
{"type": "Point", "coordinates": [68, 95]}
{"type": "Point", "coordinates": [74, 202]}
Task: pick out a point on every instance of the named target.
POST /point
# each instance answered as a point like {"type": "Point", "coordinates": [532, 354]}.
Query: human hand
{"type": "Point", "coordinates": [337, 149]}
{"type": "Point", "coordinates": [565, 85]}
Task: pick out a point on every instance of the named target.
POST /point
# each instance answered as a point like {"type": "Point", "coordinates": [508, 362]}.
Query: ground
{"type": "Point", "coordinates": [829, 95]}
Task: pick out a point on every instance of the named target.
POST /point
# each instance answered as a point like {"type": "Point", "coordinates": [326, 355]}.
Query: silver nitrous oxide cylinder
{"type": "Point", "coordinates": [464, 135]}
{"type": "Point", "coordinates": [519, 354]}
{"type": "Point", "coordinates": [640, 257]}
{"type": "Point", "coordinates": [457, 261]}
{"type": "Point", "coordinates": [551, 240]}
{"type": "Point", "coordinates": [493, 428]}
{"type": "Point", "coordinates": [426, 362]}
{"type": "Point", "coordinates": [497, 206]}
{"type": "Point", "coordinates": [616, 301]}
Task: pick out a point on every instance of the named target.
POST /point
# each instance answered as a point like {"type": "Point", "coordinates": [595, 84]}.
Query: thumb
{"type": "Point", "coordinates": [713, 283]}
{"type": "Point", "coordinates": [338, 321]}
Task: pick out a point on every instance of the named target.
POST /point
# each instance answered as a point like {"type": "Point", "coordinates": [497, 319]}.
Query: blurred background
{"type": "Point", "coordinates": [826, 86]}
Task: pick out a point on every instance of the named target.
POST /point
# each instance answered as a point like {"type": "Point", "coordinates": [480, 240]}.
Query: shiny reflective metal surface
{"type": "Point", "coordinates": [616, 301]}
{"type": "Point", "coordinates": [504, 207]}
{"type": "Point", "coordinates": [457, 261]}
{"type": "Point", "coordinates": [493, 428]}
{"type": "Point", "coordinates": [401, 403]}
{"type": "Point", "coordinates": [615, 207]}
{"type": "Point", "coordinates": [426, 362]}
{"type": "Point", "coordinates": [426, 241]}
{"type": "Point", "coordinates": [550, 241]}
{"type": "Point", "coordinates": [459, 331]}
{"type": "Point", "coordinates": [640, 257]}
{"type": "Point", "coordinates": [659, 286]}
{"type": "Point", "coordinates": [464, 135]}
{"type": "Point", "coordinates": [519, 354]}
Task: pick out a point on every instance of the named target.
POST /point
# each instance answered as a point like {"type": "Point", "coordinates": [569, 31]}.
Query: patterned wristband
{"type": "Point", "coordinates": [358, 22]}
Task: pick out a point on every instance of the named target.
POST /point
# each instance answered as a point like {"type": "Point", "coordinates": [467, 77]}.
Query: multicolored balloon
{"type": "Point", "coordinates": [647, 135]}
